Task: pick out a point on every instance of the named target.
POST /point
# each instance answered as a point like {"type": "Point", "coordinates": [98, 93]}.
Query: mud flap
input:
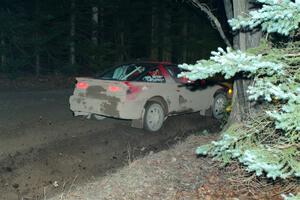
{"type": "Point", "coordinates": [202, 112]}
{"type": "Point", "coordinates": [138, 123]}
{"type": "Point", "coordinates": [85, 114]}
{"type": "Point", "coordinates": [206, 112]}
{"type": "Point", "coordinates": [99, 117]}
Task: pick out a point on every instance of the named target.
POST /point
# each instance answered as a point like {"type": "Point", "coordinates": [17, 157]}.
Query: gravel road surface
{"type": "Point", "coordinates": [44, 149]}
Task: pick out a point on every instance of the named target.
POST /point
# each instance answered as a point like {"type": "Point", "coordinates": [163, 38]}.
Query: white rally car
{"type": "Point", "coordinates": [146, 93]}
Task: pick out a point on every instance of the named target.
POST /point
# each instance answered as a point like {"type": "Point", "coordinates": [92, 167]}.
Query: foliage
{"type": "Point", "coordinates": [291, 197]}
{"type": "Point", "coordinates": [268, 142]}
{"type": "Point", "coordinates": [229, 63]}
{"type": "Point", "coordinates": [285, 14]}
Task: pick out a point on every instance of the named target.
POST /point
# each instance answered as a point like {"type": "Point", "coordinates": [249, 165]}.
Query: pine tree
{"type": "Point", "coordinates": [268, 143]}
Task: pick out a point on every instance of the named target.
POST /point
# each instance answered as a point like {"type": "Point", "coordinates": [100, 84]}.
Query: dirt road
{"type": "Point", "coordinates": [44, 149]}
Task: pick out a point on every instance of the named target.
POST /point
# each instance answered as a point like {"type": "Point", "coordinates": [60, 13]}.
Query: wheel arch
{"type": "Point", "coordinates": [160, 100]}
{"type": "Point", "coordinates": [139, 123]}
{"type": "Point", "coordinates": [218, 91]}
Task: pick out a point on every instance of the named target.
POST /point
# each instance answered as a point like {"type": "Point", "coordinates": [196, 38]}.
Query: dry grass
{"type": "Point", "coordinates": [175, 174]}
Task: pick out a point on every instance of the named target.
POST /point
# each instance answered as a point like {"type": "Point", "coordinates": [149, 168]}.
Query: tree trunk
{"type": "Point", "coordinates": [241, 107]}
{"type": "Point", "coordinates": [95, 22]}
{"type": "Point", "coordinates": [185, 38]}
{"type": "Point", "coordinates": [72, 34]}
{"type": "Point", "coordinates": [37, 44]}
{"type": "Point", "coordinates": [161, 38]}
{"type": "Point", "coordinates": [122, 47]}
{"type": "Point", "coordinates": [164, 46]}
{"type": "Point", "coordinates": [3, 56]}
{"type": "Point", "coordinates": [95, 34]}
{"type": "Point", "coordinates": [153, 48]}
{"type": "Point", "coordinates": [37, 65]}
{"type": "Point", "coordinates": [37, 56]}
{"type": "Point", "coordinates": [175, 28]}
{"type": "Point", "coordinates": [228, 8]}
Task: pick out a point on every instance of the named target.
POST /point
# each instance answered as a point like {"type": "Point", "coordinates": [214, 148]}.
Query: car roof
{"type": "Point", "coordinates": [148, 62]}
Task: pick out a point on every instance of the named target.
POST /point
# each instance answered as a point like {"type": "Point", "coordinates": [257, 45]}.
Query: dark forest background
{"type": "Point", "coordinates": [83, 36]}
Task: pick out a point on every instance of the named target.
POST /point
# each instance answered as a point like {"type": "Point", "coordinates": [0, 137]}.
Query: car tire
{"type": "Point", "coordinates": [219, 106]}
{"type": "Point", "coordinates": [154, 116]}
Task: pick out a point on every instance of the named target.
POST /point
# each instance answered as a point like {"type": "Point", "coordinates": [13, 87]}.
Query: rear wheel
{"type": "Point", "coordinates": [154, 116]}
{"type": "Point", "coordinates": [219, 105]}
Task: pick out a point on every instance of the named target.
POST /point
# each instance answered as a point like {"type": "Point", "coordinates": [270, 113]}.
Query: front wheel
{"type": "Point", "coordinates": [154, 116]}
{"type": "Point", "coordinates": [219, 106]}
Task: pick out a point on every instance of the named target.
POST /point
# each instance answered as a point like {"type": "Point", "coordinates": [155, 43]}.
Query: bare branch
{"type": "Point", "coordinates": [214, 20]}
{"type": "Point", "coordinates": [293, 55]}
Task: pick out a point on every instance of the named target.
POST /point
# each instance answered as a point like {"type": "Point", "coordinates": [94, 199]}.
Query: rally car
{"type": "Point", "coordinates": [146, 93]}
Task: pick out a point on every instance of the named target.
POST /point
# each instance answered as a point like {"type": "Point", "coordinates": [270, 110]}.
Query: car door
{"type": "Point", "coordinates": [192, 95]}
{"type": "Point", "coordinates": [156, 82]}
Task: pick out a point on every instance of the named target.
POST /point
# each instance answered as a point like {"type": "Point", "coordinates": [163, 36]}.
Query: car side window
{"type": "Point", "coordinates": [154, 75]}
{"type": "Point", "coordinates": [123, 72]}
{"type": "Point", "coordinates": [174, 72]}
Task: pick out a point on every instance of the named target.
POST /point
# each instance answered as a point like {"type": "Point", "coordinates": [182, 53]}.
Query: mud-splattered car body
{"type": "Point", "coordinates": [124, 91]}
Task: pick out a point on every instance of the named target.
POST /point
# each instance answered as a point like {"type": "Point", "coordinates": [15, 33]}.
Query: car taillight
{"type": "Point", "coordinates": [82, 85]}
{"type": "Point", "coordinates": [113, 88]}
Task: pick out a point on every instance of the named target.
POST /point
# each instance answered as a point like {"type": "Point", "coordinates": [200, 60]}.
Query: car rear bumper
{"type": "Point", "coordinates": [115, 108]}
